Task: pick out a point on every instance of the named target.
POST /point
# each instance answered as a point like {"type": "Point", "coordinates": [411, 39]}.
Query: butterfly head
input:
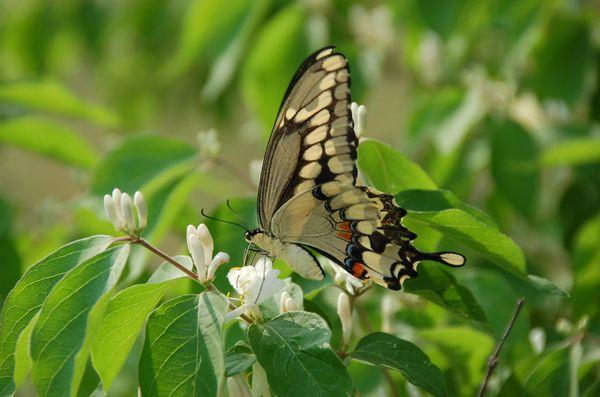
{"type": "Point", "coordinates": [252, 235]}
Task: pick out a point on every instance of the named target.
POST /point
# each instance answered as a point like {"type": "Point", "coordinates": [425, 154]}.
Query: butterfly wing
{"type": "Point", "coordinates": [312, 141]}
{"type": "Point", "coordinates": [360, 229]}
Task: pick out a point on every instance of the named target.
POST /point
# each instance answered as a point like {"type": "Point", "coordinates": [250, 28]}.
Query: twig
{"type": "Point", "coordinates": [207, 285]}
{"type": "Point", "coordinates": [494, 358]}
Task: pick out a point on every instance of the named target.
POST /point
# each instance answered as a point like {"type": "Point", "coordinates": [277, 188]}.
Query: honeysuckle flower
{"type": "Point", "coordinates": [237, 386]}
{"type": "Point", "coordinates": [141, 208]}
{"type": "Point", "coordinates": [260, 384]}
{"type": "Point", "coordinates": [345, 279]}
{"type": "Point", "coordinates": [126, 215]}
{"type": "Point", "coordinates": [359, 115]}
{"type": "Point", "coordinates": [254, 284]}
{"type": "Point", "coordinates": [345, 313]}
{"type": "Point", "coordinates": [287, 303]}
{"type": "Point", "coordinates": [200, 244]}
{"type": "Point", "coordinates": [537, 339]}
{"type": "Point", "coordinates": [208, 144]}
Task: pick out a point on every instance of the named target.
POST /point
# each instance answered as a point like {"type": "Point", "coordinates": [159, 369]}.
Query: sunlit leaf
{"type": "Point", "coordinates": [487, 241]}
{"type": "Point", "coordinates": [272, 61]}
{"type": "Point", "coordinates": [514, 166]}
{"type": "Point", "coordinates": [387, 351]}
{"type": "Point", "coordinates": [140, 159]}
{"type": "Point", "coordinates": [572, 152]}
{"type": "Point", "coordinates": [48, 138]}
{"type": "Point", "coordinates": [58, 339]}
{"type": "Point", "coordinates": [51, 97]}
{"type": "Point", "coordinates": [388, 170]}
{"type": "Point", "coordinates": [184, 349]}
{"type": "Point", "coordinates": [293, 348]}
{"type": "Point", "coordinates": [26, 298]}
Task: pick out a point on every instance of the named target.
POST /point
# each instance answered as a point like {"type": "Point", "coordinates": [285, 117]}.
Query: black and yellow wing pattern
{"type": "Point", "coordinates": [308, 194]}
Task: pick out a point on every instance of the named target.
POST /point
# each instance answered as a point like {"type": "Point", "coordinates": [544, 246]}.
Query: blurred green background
{"type": "Point", "coordinates": [499, 101]}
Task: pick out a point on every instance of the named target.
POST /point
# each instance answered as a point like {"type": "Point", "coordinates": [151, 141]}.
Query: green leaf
{"type": "Point", "coordinates": [140, 159]}
{"type": "Point", "coordinates": [52, 97]}
{"type": "Point", "coordinates": [388, 170]}
{"type": "Point", "coordinates": [487, 241]}
{"type": "Point", "coordinates": [514, 166]}
{"type": "Point", "coordinates": [184, 350]}
{"type": "Point", "coordinates": [567, 50]}
{"type": "Point", "coordinates": [440, 287]}
{"type": "Point", "coordinates": [466, 349]}
{"type": "Point", "coordinates": [437, 200]}
{"type": "Point", "coordinates": [26, 298]}
{"type": "Point", "coordinates": [206, 31]}
{"type": "Point", "coordinates": [293, 348]}
{"type": "Point", "coordinates": [272, 61]}
{"type": "Point", "coordinates": [48, 138]}
{"type": "Point", "coordinates": [546, 374]}
{"type": "Point", "coordinates": [239, 359]}
{"type": "Point", "coordinates": [387, 351]}
{"type": "Point", "coordinates": [572, 152]}
{"type": "Point", "coordinates": [22, 356]}
{"type": "Point", "coordinates": [125, 316]}
{"type": "Point", "coordinates": [59, 336]}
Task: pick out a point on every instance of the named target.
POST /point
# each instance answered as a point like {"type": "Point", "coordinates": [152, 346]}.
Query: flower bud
{"type": "Point", "coordinates": [127, 212]}
{"type": "Point", "coordinates": [111, 212]}
{"type": "Point", "coordinates": [217, 261]}
{"type": "Point", "coordinates": [537, 338]}
{"type": "Point", "coordinates": [207, 242]}
{"type": "Point", "coordinates": [255, 170]}
{"type": "Point", "coordinates": [116, 196]}
{"type": "Point", "coordinates": [359, 116]}
{"type": "Point", "coordinates": [209, 144]}
{"type": "Point", "coordinates": [237, 386]}
{"type": "Point", "coordinates": [345, 313]}
{"type": "Point", "coordinates": [142, 209]}
{"type": "Point", "coordinates": [196, 250]}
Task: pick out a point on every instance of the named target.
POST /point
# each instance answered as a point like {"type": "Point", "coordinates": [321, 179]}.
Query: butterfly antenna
{"type": "Point", "coordinates": [237, 215]}
{"type": "Point", "coordinates": [261, 285]}
{"type": "Point", "coordinates": [222, 220]}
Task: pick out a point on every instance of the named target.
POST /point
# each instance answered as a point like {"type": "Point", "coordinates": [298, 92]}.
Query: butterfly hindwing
{"type": "Point", "coordinates": [312, 141]}
{"type": "Point", "coordinates": [359, 228]}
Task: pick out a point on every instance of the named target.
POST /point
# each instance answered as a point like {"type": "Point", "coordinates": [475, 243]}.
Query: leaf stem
{"type": "Point", "coordinates": [494, 358]}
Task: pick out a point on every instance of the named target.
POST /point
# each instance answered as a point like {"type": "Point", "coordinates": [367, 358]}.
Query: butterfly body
{"type": "Point", "coordinates": [308, 198]}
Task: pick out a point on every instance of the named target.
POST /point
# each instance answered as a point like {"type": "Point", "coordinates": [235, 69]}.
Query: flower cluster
{"type": "Point", "coordinates": [255, 284]}
{"type": "Point", "coordinates": [200, 244]}
{"type": "Point", "coordinates": [127, 215]}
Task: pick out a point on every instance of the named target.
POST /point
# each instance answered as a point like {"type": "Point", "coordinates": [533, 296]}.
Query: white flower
{"type": "Point", "coordinates": [254, 284]}
{"type": "Point", "coordinates": [345, 279]}
{"type": "Point", "coordinates": [208, 143]}
{"type": "Point", "coordinates": [200, 244]}
{"type": "Point", "coordinates": [287, 303]}
{"type": "Point", "coordinates": [345, 313]}
{"type": "Point", "coordinates": [359, 116]}
{"type": "Point", "coordinates": [127, 215]}
{"type": "Point", "coordinates": [537, 338]}
{"type": "Point", "coordinates": [237, 386]}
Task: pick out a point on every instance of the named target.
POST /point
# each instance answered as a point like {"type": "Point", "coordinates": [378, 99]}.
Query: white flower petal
{"type": "Point", "coordinates": [142, 209]}
{"type": "Point", "coordinates": [197, 251]}
{"type": "Point", "coordinates": [217, 261]}
{"type": "Point", "coordinates": [207, 242]}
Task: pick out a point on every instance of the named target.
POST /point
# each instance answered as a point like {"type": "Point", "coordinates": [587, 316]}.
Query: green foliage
{"type": "Point", "coordinates": [483, 122]}
{"type": "Point", "coordinates": [293, 349]}
{"type": "Point", "coordinates": [387, 351]}
{"type": "Point", "coordinates": [184, 353]}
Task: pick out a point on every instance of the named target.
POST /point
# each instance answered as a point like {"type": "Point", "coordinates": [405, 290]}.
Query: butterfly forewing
{"type": "Point", "coordinates": [312, 141]}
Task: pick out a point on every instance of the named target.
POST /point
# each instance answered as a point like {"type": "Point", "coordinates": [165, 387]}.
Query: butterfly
{"type": "Point", "coordinates": [308, 200]}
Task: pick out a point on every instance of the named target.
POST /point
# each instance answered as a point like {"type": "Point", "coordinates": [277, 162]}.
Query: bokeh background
{"type": "Point", "coordinates": [499, 101]}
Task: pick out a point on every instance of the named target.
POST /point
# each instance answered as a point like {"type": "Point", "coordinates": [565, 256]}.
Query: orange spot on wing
{"type": "Point", "coordinates": [344, 235]}
{"type": "Point", "coordinates": [358, 270]}
{"type": "Point", "coordinates": [344, 226]}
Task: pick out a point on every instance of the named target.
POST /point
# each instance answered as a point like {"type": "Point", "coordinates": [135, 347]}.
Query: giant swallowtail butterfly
{"type": "Point", "coordinates": [308, 198]}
